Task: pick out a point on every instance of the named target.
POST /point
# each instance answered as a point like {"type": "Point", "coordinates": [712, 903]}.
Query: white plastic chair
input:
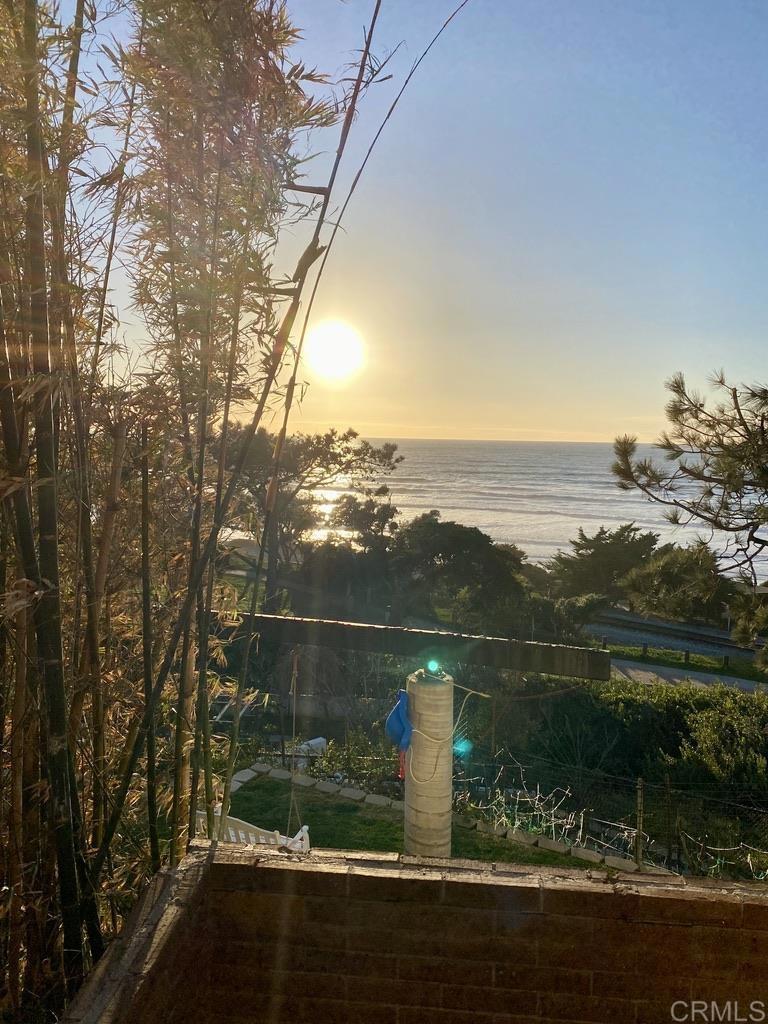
{"type": "Point", "coordinates": [239, 831]}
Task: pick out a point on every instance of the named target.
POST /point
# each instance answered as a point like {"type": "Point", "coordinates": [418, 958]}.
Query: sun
{"type": "Point", "coordinates": [334, 351]}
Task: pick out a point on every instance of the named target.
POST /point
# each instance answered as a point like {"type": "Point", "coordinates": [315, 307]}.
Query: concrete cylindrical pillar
{"type": "Point", "coordinates": [429, 766]}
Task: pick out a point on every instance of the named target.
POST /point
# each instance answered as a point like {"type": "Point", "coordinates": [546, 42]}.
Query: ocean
{"type": "Point", "coordinates": [534, 495]}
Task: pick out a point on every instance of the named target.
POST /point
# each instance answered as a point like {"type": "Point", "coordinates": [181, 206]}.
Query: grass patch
{"type": "Point", "coordinates": [344, 825]}
{"type": "Point", "coordinates": [739, 667]}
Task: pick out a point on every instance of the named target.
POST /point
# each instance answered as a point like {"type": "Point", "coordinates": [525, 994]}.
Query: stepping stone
{"type": "Point", "coordinates": [234, 787]}
{"type": "Point", "coordinates": [621, 864]}
{"type": "Point", "coordinates": [583, 853]}
{"type": "Point", "coordinates": [464, 821]}
{"type": "Point", "coordinates": [518, 835]}
{"type": "Point", "coordinates": [350, 793]}
{"type": "Point", "coordinates": [280, 773]}
{"type": "Point", "coordinates": [398, 805]}
{"type": "Point", "coordinates": [324, 786]}
{"type": "Point", "coordinates": [553, 844]}
{"type": "Point", "coordinates": [490, 829]}
{"type": "Point", "coordinates": [304, 780]}
{"type": "Point", "coordinates": [377, 800]}
{"type": "Point", "coordinates": [244, 776]}
{"type": "Point", "coordinates": [261, 769]}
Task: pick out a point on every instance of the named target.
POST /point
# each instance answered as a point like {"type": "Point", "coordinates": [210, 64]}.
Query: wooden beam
{"type": "Point", "coordinates": [446, 648]}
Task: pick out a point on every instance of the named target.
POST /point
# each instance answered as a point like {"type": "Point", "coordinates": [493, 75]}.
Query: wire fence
{"type": "Point", "coordinates": [686, 829]}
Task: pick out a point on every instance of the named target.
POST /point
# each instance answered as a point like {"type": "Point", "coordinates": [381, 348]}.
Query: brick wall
{"type": "Point", "coordinates": [376, 939]}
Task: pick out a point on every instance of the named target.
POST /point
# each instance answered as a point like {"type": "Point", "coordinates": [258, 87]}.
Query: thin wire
{"type": "Point", "coordinates": [477, 693]}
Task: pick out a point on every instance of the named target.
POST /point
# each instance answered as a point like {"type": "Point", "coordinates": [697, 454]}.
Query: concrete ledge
{"type": "Point", "coordinates": [245, 775]}
{"type": "Point", "coordinates": [280, 773]}
{"type": "Point", "coordinates": [350, 793]}
{"type": "Point", "coordinates": [378, 801]}
{"type": "Point", "coordinates": [582, 853]}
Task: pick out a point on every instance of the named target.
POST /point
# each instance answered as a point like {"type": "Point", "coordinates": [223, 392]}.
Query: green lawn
{"type": "Point", "coordinates": [741, 668]}
{"type": "Point", "coordinates": [343, 825]}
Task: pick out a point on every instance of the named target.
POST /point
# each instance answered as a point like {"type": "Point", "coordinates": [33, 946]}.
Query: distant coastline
{"type": "Point", "coordinates": [535, 494]}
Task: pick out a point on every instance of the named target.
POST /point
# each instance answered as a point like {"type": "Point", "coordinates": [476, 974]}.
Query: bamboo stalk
{"type": "Point", "coordinates": [146, 641]}
{"type": "Point", "coordinates": [48, 607]}
{"type": "Point", "coordinates": [202, 721]}
{"type": "Point", "coordinates": [181, 786]}
{"type": "Point", "coordinates": [109, 521]}
{"type": "Point", "coordinates": [220, 475]}
{"type": "Point", "coordinates": [16, 811]}
{"type": "Point", "coordinates": [36, 909]}
{"type": "Point", "coordinates": [175, 323]}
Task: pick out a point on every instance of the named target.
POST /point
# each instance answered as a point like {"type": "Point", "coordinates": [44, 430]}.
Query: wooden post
{"type": "Point", "coordinates": [639, 824]}
{"type": "Point", "coordinates": [668, 788]}
{"type": "Point", "coordinates": [429, 766]}
{"type": "Point", "coordinates": [493, 728]}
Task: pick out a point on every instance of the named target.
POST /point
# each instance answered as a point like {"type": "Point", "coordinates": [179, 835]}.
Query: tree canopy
{"type": "Point", "coordinates": [714, 473]}
{"type": "Point", "coordinates": [598, 564]}
{"type": "Point", "coordinates": [680, 583]}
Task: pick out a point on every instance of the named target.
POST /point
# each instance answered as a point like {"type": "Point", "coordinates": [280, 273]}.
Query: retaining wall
{"type": "Point", "coordinates": [259, 936]}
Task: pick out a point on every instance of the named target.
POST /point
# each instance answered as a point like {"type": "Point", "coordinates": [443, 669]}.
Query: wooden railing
{"type": "Point", "coordinates": [446, 648]}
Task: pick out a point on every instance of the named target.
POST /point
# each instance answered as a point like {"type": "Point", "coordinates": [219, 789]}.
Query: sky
{"type": "Point", "coordinates": [568, 206]}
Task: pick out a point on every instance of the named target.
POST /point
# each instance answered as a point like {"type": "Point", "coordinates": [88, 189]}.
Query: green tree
{"type": "Point", "coordinates": [371, 520]}
{"type": "Point", "coordinates": [680, 583]}
{"type": "Point", "coordinates": [599, 563]}
{"type": "Point", "coordinates": [715, 468]}
{"type": "Point", "coordinates": [312, 468]}
{"type": "Point", "coordinates": [454, 572]}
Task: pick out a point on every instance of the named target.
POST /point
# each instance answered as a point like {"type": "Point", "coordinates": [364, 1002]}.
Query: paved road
{"type": "Point", "coordinates": [641, 672]}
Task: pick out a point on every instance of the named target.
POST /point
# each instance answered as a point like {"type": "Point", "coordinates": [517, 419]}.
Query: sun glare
{"type": "Point", "coordinates": [334, 351]}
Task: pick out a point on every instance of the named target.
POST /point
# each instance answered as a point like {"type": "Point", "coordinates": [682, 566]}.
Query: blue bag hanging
{"type": "Point", "coordinates": [398, 727]}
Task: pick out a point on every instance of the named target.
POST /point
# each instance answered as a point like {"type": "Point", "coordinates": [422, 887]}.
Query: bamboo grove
{"type": "Point", "coordinates": [143, 186]}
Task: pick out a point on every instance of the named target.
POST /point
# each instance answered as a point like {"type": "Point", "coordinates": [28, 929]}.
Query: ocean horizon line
{"type": "Point", "coordinates": [495, 440]}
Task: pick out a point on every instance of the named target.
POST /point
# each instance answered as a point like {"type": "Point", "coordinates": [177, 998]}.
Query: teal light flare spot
{"type": "Point", "coordinates": [433, 666]}
{"type": "Point", "coordinates": [463, 748]}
